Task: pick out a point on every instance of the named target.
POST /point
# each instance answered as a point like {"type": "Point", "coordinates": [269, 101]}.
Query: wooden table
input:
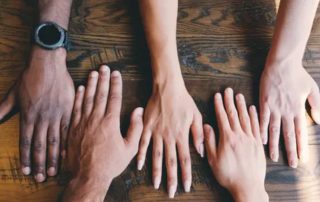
{"type": "Point", "coordinates": [221, 43]}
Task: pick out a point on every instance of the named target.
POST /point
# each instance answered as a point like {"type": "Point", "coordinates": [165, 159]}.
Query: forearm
{"type": "Point", "coordinates": [293, 27]}
{"type": "Point", "coordinates": [86, 190]}
{"type": "Point", "coordinates": [160, 22]}
{"type": "Point", "coordinates": [57, 11]}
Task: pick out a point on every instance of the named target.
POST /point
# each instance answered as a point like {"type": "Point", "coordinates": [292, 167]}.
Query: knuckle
{"type": "Point", "coordinates": [172, 162]}
{"type": "Point", "coordinates": [38, 146]}
{"type": "Point", "coordinates": [25, 143]}
{"type": "Point", "coordinates": [185, 161]}
{"type": "Point", "coordinates": [157, 154]}
{"type": "Point", "coordinates": [274, 129]}
{"type": "Point", "coordinates": [53, 140]}
{"type": "Point", "coordinates": [101, 97]}
{"type": "Point", "coordinates": [115, 97]}
{"type": "Point", "coordinates": [88, 101]}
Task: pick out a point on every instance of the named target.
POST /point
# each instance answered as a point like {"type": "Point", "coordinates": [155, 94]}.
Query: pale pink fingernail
{"type": "Point", "coordinates": [39, 177]}
{"type": "Point", "coordinates": [140, 164]}
{"type": "Point", "coordinates": [156, 182]}
{"type": "Point", "coordinates": [172, 191]}
{"type": "Point", "coordinates": [187, 185]}
{"type": "Point", "coordinates": [26, 170]}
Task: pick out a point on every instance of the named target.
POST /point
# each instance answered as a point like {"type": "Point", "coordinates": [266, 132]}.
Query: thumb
{"type": "Point", "coordinates": [8, 103]}
{"type": "Point", "coordinates": [210, 143]}
{"type": "Point", "coordinates": [135, 130]}
{"type": "Point", "coordinates": [314, 101]}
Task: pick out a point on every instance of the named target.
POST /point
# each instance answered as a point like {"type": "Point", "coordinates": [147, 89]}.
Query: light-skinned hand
{"type": "Point", "coordinates": [169, 116]}
{"type": "Point", "coordinates": [283, 95]}
{"type": "Point", "coordinates": [237, 161]}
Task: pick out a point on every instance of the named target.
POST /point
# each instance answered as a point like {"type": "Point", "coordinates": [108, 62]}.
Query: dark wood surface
{"type": "Point", "coordinates": [221, 43]}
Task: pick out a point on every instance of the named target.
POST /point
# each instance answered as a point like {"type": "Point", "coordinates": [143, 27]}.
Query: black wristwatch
{"type": "Point", "coordinates": [50, 36]}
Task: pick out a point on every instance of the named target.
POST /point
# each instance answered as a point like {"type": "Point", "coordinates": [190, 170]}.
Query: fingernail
{"type": "Point", "coordinates": [80, 88]}
{"type": "Point", "coordinates": [201, 150]}
{"type": "Point", "coordinates": [39, 177]}
{"type": "Point", "coordinates": [156, 182]}
{"type": "Point", "coordinates": [264, 140]}
{"type": "Point", "coordinates": [104, 68]}
{"type": "Point", "coordinates": [172, 191]}
{"type": "Point", "coordinates": [26, 170]}
{"type": "Point", "coordinates": [51, 171]}
{"type": "Point", "coordinates": [140, 111]}
{"type": "Point", "coordinates": [274, 157]}
{"type": "Point", "coordinates": [140, 164]}
{"type": "Point", "coordinates": [293, 164]}
{"type": "Point", "coordinates": [187, 185]}
{"type": "Point", "coordinates": [115, 73]}
{"type": "Point", "coordinates": [94, 74]}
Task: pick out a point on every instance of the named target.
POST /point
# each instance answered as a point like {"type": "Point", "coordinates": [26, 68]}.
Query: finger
{"type": "Point", "coordinates": [157, 155]}
{"type": "Point", "coordinates": [290, 141]}
{"type": "Point", "coordinates": [197, 133]}
{"type": "Point", "coordinates": [53, 148]}
{"type": "Point", "coordinates": [243, 114]}
{"type": "Point", "coordinates": [115, 97]}
{"type": "Point", "coordinates": [102, 92]}
{"type": "Point", "coordinates": [90, 93]}
{"type": "Point", "coordinates": [143, 147]}
{"type": "Point", "coordinates": [8, 103]}
{"type": "Point", "coordinates": [77, 107]}
{"type": "Point", "coordinates": [135, 131]}
{"type": "Point", "coordinates": [264, 122]}
{"type": "Point", "coordinates": [302, 137]}
{"type": "Point", "coordinates": [185, 162]}
{"type": "Point", "coordinates": [314, 101]}
{"type": "Point", "coordinates": [231, 109]}
{"type": "Point", "coordinates": [64, 128]}
{"type": "Point", "coordinates": [274, 135]}
{"type": "Point", "coordinates": [211, 145]}
{"type": "Point", "coordinates": [26, 132]}
{"type": "Point", "coordinates": [221, 114]}
{"type": "Point", "coordinates": [39, 151]}
{"type": "Point", "coordinates": [171, 165]}
{"type": "Point", "coordinates": [254, 122]}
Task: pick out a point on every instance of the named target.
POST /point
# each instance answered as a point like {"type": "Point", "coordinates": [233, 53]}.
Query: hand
{"type": "Point", "coordinates": [44, 93]}
{"type": "Point", "coordinates": [169, 115]}
{"type": "Point", "coordinates": [284, 89]}
{"type": "Point", "coordinates": [238, 161]}
{"type": "Point", "coordinates": [97, 153]}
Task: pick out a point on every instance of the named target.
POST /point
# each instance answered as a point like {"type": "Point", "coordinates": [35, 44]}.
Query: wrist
{"type": "Point", "coordinates": [52, 59]}
{"type": "Point", "coordinates": [252, 194]}
{"type": "Point", "coordinates": [87, 189]}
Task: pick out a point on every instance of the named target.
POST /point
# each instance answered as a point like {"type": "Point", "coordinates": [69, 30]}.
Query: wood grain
{"type": "Point", "coordinates": [220, 42]}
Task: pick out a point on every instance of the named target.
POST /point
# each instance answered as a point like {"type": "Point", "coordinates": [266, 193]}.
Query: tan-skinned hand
{"type": "Point", "coordinates": [97, 152]}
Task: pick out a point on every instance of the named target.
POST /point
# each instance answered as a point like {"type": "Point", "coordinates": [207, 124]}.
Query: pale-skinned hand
{"type": "Point", "coordinates": [169, 115]}
{"type": "Point", "coordinates": [97, 152]}
{"type": "Point", "coordinates": [237, 161]}
{"type": "Point", "coordinates": [284, 89]}
{"type": "Point", "coordinates": [44, 94]}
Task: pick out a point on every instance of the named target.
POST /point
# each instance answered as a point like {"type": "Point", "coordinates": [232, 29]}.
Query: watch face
{"type": "Point", "coordinates": [49, 36]}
